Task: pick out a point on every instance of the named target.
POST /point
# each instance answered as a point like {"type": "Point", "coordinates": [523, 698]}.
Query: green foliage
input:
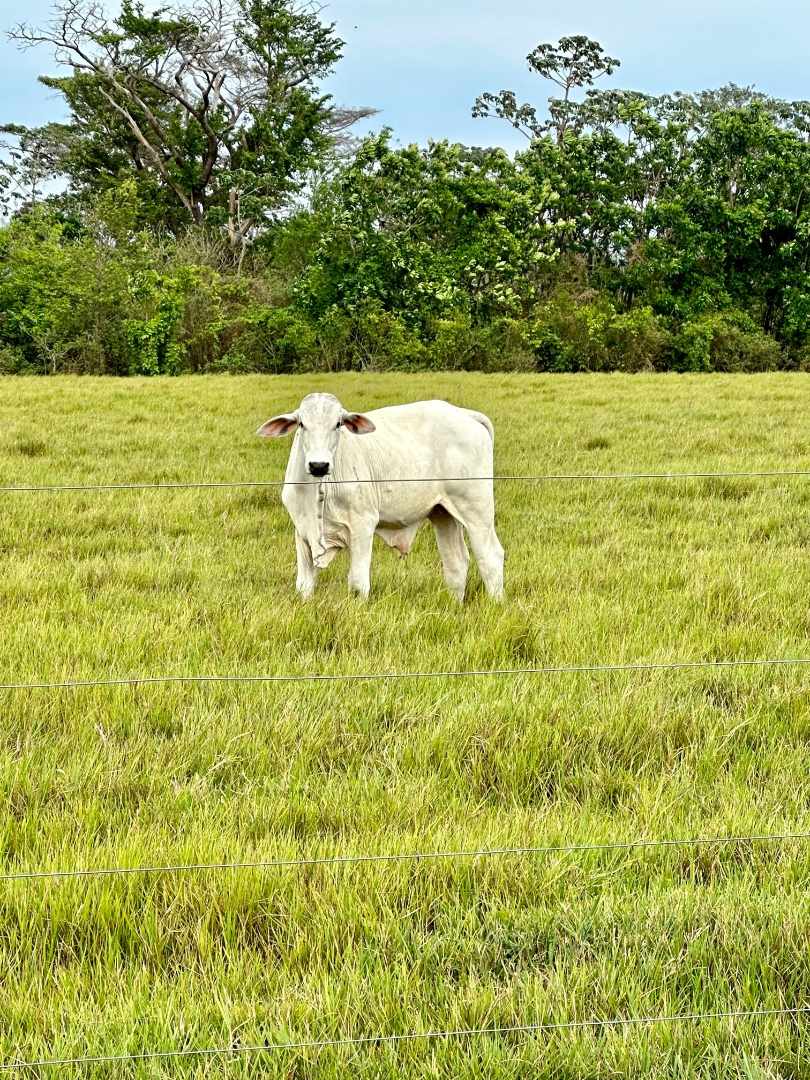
{"type": "Point", "coordinates": [61, 299]}
{"type": "Point", "coordinates": [457, 345]}
{"type": "Point", "coordinates": [151, 339]}
{"type": "Point", "coordinates": [215, 112]}
{"type": "Point", "coordinates": [634, 233]}
{"type": "Point", "coordinates": [13, 361]}
{"type": "Point", "coordinates": [92, 296]}
{"type": "Point", "coordinates": [638, 340]}
{"type": "Point", "coordinates": [428, 233]}
{"type": "Point", "coordinates": [572, 63]}
{"type": "Point", "coordinates": [88, 295]}
{"type": "Point", "coordinates": [272, 340]}
{"type": "Point", "coordinates": [374, 339]}
{"type": "Point", "coordinates": [580, 324]}
{"type": "Point", "coordinates": [724, 341]}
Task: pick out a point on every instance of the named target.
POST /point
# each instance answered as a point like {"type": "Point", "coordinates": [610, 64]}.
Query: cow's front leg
{"type": "Point", "coordinates": [360, 545]}
{"type": "Point", "coordinates": [307, 573]}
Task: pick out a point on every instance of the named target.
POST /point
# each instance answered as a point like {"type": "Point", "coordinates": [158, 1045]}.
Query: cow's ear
{"type": "Point", "coordinates": [358, 424]}
{"type": "Point", "coordinates": [278, 426]}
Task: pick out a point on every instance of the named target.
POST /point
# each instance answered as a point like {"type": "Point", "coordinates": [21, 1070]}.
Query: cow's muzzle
{"type": "Point", "coordinates": [318, 468]}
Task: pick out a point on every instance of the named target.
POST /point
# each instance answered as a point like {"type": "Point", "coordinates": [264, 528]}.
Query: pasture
{"type": "Point", "coordinates": [94, 585]}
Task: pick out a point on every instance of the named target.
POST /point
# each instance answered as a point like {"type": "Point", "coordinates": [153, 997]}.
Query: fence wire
{"type": "Point", "coordinates": [413, 1036]}
{"type": "Point", "coordinates": [399, 857]}
{"type": "Point", "coordinates": [377, 676]}
{"type": "Point", "coordinates": [343, 860]}
{"type": "Point", "coordinates": [205, 485]}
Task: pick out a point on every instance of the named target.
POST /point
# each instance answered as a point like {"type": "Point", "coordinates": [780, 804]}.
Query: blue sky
{"type": "Point", "coordinates": [422, 62]}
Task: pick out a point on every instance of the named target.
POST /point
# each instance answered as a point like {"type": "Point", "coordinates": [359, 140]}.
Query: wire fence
{"type": "Point", "coordinates": [795, 1012]}
{"type": "Point", "coordinates": [206, 485]}
{"type": "Point", "coordinates": [377, 676]}
{"type": "Point", "coordinates": [492, 1032]}
{"type": "Point", "coordinates": [400, 857]}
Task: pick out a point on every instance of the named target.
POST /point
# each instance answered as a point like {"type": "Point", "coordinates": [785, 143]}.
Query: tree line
{"type": "Point", "coordinates": [206, 207]}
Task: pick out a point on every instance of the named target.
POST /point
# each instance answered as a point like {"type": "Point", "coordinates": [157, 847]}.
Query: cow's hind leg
{"type": "Point", "coordinates": [307, 574]}
{"type": "Point", "coordinates": [489, 556]}
{"type": "Point", "coordinates": [453, 550]}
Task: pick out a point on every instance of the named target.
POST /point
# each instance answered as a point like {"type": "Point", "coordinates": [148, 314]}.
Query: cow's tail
{"type": "Point", "coordinates": [484, 421]}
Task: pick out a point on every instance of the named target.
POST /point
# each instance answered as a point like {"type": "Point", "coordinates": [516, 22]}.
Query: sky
{"type": "Point", "coordinates": [423, 62]}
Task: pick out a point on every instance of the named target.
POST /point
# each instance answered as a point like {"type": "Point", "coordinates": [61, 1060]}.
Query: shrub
{"type": "Point", "coordinates": [549, 350]}
{"type": "Point", "coordinates": [271, 340]}
{"type": "Point", "coordinates": [724, 341]}
{"type": "Point", "coordinates": [89, 295]}
{"type": "Point", "coordinates": [369, 338]}
{"type": "Point", "coordinates": [60, 299]}
{"type": "Point", "coordinates": [13, 361]}
{"type": "Point", "coordinates": [455, 345]}
{"type": "Point", "coordinates": [638, 341]}
{"type": "Point", "coordinates": [571, 333]}
{"type": "Point", "coordinates": [381, 341]}
{"type": "Point", "coordinates": [508, 346]}
{"type": "Point", "coordinates": [151, 334]}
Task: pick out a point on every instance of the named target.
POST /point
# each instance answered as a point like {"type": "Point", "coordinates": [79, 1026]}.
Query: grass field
{"type": "Point", "coordinates": [183, 582]}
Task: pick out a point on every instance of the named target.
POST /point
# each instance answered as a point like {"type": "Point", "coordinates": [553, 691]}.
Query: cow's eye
{"type": "Point", "coordinates": [337, 425]}
{"type": "Point", "coordinates": [301, 426]}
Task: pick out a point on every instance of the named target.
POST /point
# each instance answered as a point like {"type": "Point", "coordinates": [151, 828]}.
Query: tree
{"type": "Point", "coordinates": [214, 108]}
{"type": "Point", "coordinates": [428, 232]}
{"type": "Point", "coordinates": [572, 63]}
{"type": "Point", "coordinates": [736, 230]}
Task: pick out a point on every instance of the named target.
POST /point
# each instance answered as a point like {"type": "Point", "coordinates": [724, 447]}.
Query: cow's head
{"type": "Point", "coordinates": [318, 419]}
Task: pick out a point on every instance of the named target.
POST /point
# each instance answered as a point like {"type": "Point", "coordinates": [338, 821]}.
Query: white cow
{"type": "Point", "coordinates": [340, 489]}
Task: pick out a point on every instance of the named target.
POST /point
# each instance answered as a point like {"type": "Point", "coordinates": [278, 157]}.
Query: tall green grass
{"type": "Point", "coordinates": [184, 582]}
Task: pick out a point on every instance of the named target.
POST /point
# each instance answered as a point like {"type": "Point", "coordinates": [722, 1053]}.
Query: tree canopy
{"type": "Point", "coordinates": [219, 214]}
{"type": "Point", "coordinates": [214, 109]}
